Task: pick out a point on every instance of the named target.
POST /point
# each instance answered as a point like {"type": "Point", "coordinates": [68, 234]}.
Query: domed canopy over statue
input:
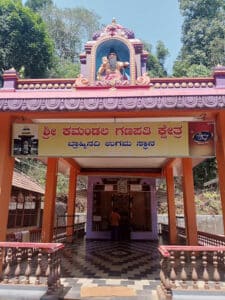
{"type": "Point", "coordinates": [113, 56]}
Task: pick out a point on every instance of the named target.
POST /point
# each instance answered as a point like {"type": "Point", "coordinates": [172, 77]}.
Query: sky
{"type": "Point", "coordinates": [150, 20]}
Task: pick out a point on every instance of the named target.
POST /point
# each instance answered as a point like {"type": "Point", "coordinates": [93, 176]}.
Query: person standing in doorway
{"type": "Point", "coordinates": [115, 223]}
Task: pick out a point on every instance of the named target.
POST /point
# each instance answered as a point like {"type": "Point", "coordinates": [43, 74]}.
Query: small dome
{"type": "Point", "coordinates": [114, 29]}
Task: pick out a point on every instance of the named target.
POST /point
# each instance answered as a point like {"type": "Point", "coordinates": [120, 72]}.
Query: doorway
{"type": "Point", "coordinates": [123, 203]}
{"type": "Point", "coordinates": [135, 203]}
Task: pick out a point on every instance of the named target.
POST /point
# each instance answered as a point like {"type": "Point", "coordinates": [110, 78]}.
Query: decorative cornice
{"type": "Point", "coordinates": [81, 81]}
{"type": "Point", "coordinates": [52, 84]}
{"type": "Point", "coordinates": [109, 104]}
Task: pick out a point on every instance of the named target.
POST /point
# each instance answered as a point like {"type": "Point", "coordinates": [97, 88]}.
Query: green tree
{"type": "Point", "coordinates": [198, 71]}
{"type": "Point", "coordinates": [203, 35]}
{"type": "Point", "coordinates": [161, 52]}
{"type": "Point", "coordinates": [37, 5]}
{"type": "Point", "coordinates": [155, 62]}
{"type": "Point", "coordinates": [70, 28]}
{"type": "Point", "coordinates": [24, 42]}
{"type": "Point", "coordinates": [182, 68]}
{"type": "Point", "coordinates": [36, 169]}
{"type": "Point", "coordinates": [204, 172]}
{"type": "Point", "coordinates": [64, 68]}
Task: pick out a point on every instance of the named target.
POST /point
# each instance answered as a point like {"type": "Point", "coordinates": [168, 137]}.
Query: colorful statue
{"type": "Point", "coordinates": [112, 69]}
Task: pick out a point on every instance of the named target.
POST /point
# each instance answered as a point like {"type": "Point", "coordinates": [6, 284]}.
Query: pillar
{"type": "Point", "coordinates": [171, 206]}
{"type": "Point", "coordinates": [71, 204]}
{"type": "Point", "coordinates": [189, 202]}
{"type": "Point", "coordinates": [49, 202]}
{"type": "Point", "coordinates": [6, 172]}
{"type": "Point", "coordinates": [6, 175]}
{"type": "Point", "coordinates": [220, 156]}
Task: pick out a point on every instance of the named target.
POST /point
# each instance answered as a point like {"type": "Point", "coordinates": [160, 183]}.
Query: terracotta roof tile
{"type": "Point", "coordinates": [24, 182]}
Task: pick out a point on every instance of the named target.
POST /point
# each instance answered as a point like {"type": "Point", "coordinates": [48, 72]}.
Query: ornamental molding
{"type": "Point", "coordinates": [113, 103]}
{"type": "Point", "coordinates": [144, 80]}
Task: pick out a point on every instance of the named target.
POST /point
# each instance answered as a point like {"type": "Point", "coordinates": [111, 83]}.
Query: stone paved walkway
{"type": "Point", "coordinates": [126, 269]}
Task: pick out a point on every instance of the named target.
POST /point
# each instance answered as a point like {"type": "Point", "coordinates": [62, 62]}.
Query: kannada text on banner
{"type": "Point", "coordinates": [169, 139]}
{"type": "Point", "coordinates": [114, 139]}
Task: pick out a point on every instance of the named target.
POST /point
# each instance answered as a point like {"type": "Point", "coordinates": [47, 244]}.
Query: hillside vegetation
{"type": "Point", "coordinates": [207, 200]}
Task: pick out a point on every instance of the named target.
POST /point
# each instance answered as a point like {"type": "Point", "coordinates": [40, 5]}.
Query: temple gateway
{"type": "Point", "coordinates": [121, 129]}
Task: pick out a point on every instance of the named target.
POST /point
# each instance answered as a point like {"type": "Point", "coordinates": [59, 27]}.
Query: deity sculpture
{"type": "Point", "coordinates": [112, 69]}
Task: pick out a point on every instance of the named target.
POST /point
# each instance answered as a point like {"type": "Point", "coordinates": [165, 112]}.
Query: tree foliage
{"type": "Point", "coordinates": [155, 62]}
{"type": "Point", "coordinates": [182, 68]}
{"type": "Point", "coordinates": [203, 35]}
{"type": "Point", "coordinates": [24, 41]}
{"type": "Point", "coordinates": [204, 172]}
{"type": "Point", "coordinates": [37, 5]}
{"type": "Point", "coordinates": [63, 68]}
{"type": "Point", "coordinates": [36, 170]}
{"type": "Point", "coordinates": [69, 28]}
{"type": "Point", "coordinates": [161, 52]}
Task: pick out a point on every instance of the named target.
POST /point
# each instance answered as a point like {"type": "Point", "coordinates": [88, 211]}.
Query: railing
{"type": "Point", "coordinates": [191, 268]}
{"type": "Point", "coordinates": [31, 235]}
{"type": "Point", "coordinates": [31, 264]}
{"type": "Point", "coordinates": [60, 230]}
{"type": "Point", "coordinates": [35, 235]}
{"type": "Point", "coordinates": [204, 238]}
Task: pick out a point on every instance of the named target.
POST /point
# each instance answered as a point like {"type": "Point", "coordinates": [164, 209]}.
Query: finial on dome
{"type": "Point", "coordinates": [114, 29]}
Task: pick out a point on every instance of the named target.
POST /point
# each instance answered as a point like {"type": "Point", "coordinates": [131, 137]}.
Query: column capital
{"type": "Point", "coordinates": [10, 78]}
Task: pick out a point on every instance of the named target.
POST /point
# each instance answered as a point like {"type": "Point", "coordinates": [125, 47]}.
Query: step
{"type": "Point", "coordinates": [21, 292]}
{"type": "Point", "coordinates": [108, 293]}
{"type": "Point", "coordinates": [199, 295]}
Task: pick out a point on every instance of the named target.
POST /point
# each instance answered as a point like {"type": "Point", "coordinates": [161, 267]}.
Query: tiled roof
{"type": "Point", "coordinates": [24, 182]}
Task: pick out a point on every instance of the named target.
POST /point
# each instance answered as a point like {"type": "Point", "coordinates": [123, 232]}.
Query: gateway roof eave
{"type": "Point", "coordinates": [87, 93]}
